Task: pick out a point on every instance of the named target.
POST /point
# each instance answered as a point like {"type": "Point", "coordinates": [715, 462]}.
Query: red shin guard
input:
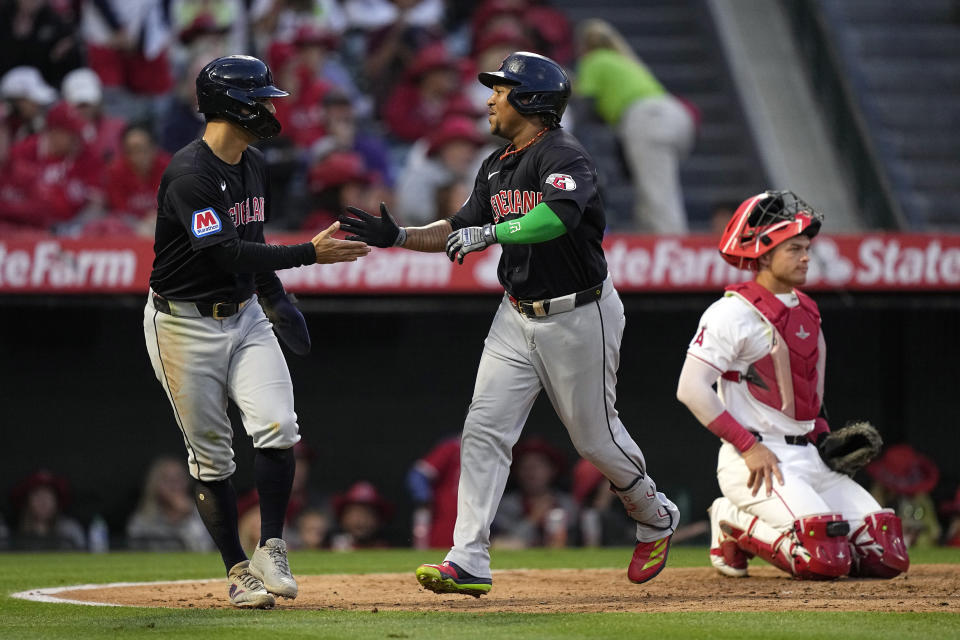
{"type": "Point", "coordinates": [878, 547]}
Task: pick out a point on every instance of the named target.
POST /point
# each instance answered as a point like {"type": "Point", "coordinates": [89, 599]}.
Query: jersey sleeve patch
{"type": "Point", "coordinates": [562, 181]}
{"type": "Point", "coordinates": [205, 222]}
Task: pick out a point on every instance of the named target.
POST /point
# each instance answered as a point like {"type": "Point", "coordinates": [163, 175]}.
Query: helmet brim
{"type": "Point", "coordinates": [491, 78]}
{"type": "Point", "coordinates": [269, 91]}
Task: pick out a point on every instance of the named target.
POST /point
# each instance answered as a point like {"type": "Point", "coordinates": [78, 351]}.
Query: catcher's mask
{"type": "Point", "coordinates": [763, 221]}
{"type": "Point", "coordinates": [540, 85]}
{"type": "Point", "coordinates": [232, 87]}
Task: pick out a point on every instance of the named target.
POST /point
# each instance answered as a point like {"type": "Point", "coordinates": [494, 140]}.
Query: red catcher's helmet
{"type": "Point", "coordinates": [763, 221]}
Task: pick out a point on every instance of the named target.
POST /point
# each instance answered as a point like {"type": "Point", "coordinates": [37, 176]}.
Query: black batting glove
{"type": "Point", "coordinates": [469, 239]}
{"type": "Point", "coordinates": [376, 232]}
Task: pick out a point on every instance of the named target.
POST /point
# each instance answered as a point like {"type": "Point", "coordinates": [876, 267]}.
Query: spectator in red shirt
{"type": "Point", "coordinates": [339, 179]}
{"type": "Point", "coordinates": [419, 101]}
{"type": "Point", "coordinates": [15, 181]}
{"type": "Point", "coordinates": [133, 179]}
{"type": "Point", "coordinates": [301, 114]}
{"type": "Point", "coordinates": [317, 48]}
{"type": "Point", "coordinates": [83, 90]}
{"type": "Point", "coordinates": [548, 28]}
{"type": "Point", "coordinates": [67, 174]}
{"type": "Point", "coordinates": [432, 483]}
{"type": "Point", "coordinates": [128, 44]}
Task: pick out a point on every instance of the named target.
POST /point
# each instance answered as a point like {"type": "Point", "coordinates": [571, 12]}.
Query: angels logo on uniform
{"type": "Point", "coordinates": [205, 222]}
{"type": "Point", "coordinates": [562, 181]}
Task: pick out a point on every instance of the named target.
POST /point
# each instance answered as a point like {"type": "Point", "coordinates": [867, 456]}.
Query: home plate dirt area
{"type": "Point", "coordinates": [929, 587]}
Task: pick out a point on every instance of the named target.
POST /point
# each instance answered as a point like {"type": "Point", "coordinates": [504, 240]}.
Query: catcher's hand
{"type": "Point", "coordinates": [463, 241]}
{"type": "Point", "coordinates": [377, 232]}
{"type": "Point", "coordinates": [288, 322]}
{"type": "Point", "coordinates": [850, 448]}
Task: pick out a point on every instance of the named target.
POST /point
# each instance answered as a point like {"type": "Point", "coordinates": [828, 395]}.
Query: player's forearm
{"type": "Point", "coordinates": [239, 256]}
{"type": "Point", "coordinates": [431, 238]}
{"type": "Point", "coordinates": [695, 391]}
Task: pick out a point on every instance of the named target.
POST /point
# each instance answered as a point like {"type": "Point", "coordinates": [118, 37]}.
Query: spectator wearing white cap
{"type": "Point", "coordinates": [83, 90]}
{"type": "Point", "coordinates": [26, 94]}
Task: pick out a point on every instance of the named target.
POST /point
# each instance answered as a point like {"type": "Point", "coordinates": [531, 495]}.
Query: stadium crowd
{"type": "Point", "coordinates": [383, 106]}
{"type": "Point", "coordinates": [548, 503]}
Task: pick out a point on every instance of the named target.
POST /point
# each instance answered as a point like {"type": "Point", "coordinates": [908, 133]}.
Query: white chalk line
{"type": "Point", "coordinates": [48, 594]}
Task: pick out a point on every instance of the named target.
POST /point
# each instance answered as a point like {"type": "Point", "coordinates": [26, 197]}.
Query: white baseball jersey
{"type": "Point", "coordinates": [731, 336]}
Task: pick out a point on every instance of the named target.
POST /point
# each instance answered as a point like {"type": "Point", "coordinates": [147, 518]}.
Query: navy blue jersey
{"type": "Point", "coordinates": [555, 168]}
{"type": "Point", "coordinates": [205, 201]}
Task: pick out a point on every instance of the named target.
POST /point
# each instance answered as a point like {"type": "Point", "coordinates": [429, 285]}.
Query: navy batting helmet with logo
{"type": "Point", "coordinates": [540, 85]}
{"type": "Point", "coordinates": [232, 88]}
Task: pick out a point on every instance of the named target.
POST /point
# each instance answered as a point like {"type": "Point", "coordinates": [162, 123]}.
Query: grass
{"type": "Point", "coordinates": [27, 620]}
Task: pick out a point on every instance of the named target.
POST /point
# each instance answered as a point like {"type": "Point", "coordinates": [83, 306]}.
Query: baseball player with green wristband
{"type": "Point", "coordinates": [558, 327]}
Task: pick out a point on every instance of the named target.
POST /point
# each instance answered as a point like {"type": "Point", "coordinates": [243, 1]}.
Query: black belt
{"type": "Point", "coordinates": [551, 306]}
{"type": "Point", "coordinates": [217, 310]}
{"type": "Point", "coordinates": [800, 441]}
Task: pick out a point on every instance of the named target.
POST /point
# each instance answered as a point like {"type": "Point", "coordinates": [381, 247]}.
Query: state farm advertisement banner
{"type": "Point", "coordinates": [869, 262]}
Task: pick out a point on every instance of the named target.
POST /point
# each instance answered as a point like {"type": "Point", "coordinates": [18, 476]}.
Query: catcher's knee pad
{"type": "Point", "coordinates": [878, 547]}
{"type": "Point", "coordinates": [825, 552]}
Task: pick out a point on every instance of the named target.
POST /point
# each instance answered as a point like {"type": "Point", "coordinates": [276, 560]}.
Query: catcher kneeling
{"type": "Point", "coordinates": [762, 345]}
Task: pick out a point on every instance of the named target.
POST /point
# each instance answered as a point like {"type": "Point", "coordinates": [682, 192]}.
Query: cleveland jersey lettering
{"type": "Point", "coordinates": [556, 168]}
{"type": "Point", "coordinates": [506, 202]}
{"type": "Point", "coordinates": [244, 213]}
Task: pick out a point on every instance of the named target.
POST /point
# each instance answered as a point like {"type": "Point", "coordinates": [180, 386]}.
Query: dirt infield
{"type": "Point", "coordinates": [925, 588]}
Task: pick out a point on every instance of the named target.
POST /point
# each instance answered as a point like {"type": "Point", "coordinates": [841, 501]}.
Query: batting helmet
{"type": "Point", "coordinates": [540, 85]}
{"type": "Point", "coordinates": [232, 87]}
{"type": "Point", "coordinates": [763, 221]}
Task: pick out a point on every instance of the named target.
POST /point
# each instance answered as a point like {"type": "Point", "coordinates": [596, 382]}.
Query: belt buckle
{"type": "Point", "coordinates": [217, 315]}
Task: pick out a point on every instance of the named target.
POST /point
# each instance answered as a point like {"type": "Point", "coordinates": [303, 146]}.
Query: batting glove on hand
{"type": "Point", "coordinates": [469, 239]}
{"type": "Point", "coordinates": [376, 232]}
{"type": "Point", "coordinates": [288, 322]}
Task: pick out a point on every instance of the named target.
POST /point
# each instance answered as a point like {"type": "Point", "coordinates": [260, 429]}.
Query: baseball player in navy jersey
{"type": "Point", "coordinates": [762, 345]}
{"type": "Point", "coordinates": [207, 338]}
{"type": "Point", "coordinates": [558, 328]}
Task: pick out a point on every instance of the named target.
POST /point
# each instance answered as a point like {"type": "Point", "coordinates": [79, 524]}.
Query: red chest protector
{"type": "Point", "coordinates": [786, 378]}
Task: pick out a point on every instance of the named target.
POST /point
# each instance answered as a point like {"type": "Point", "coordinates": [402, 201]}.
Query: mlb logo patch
{"type": "Point", "coordinates": [205, 222]}
{"type": "Point", "coordinates": [561, 181]}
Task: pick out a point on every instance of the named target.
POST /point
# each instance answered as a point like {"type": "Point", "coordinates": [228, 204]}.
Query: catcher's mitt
{"type": "Point", "coordinates": [850, 448]}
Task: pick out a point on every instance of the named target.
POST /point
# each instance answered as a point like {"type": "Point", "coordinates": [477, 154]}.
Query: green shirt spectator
{"type": "Point", "coordinates": [614, 81]}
